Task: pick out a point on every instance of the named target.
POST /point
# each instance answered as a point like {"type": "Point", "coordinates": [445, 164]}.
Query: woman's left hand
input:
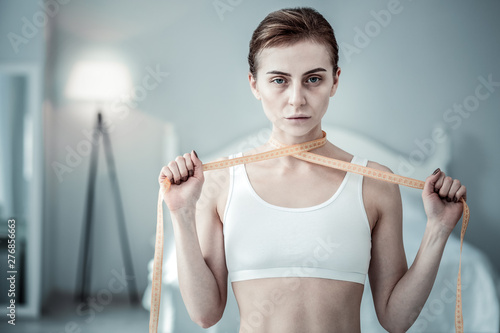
{"type": "Point", "coordinates": [441, 196]}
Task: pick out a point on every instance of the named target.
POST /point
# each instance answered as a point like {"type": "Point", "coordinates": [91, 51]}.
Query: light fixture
{"type": "Point", "coordinates": [98, 81]}
{"type": "Point", "coordinates": [101, 82]}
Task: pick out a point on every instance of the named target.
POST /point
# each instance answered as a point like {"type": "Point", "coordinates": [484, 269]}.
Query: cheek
{"type": "Point", "coordinates": [268, 93]}
{"type": "Point", "coordinates": [320, 98]}
{"type": "Point", "coordinates": [324, 93]}
{"type": "Point", "coordinates": [271, 98]}
{"type": "Point", "coordinates": [272, 105]}
{"type": "Point", "coordinates": [270, 110]}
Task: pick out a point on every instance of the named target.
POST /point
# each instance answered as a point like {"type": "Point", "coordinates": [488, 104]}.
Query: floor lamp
{"type": "Point", "coordinates": [90, 80]}
{"type": "Point", "coordinates": [85, 264]}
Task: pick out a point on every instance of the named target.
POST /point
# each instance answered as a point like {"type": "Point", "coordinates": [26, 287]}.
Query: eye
{"type": "Point", "coordinates": [314, 79]}
{"type": "Point", "coordinates": [278, 81]}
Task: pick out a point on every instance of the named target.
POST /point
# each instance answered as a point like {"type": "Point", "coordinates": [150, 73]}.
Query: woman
{"type": "Point", "coordinates": [298, 239]}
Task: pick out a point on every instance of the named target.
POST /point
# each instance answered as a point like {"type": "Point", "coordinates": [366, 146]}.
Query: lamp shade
{"type": "Point", "coordinates": [98, 81]}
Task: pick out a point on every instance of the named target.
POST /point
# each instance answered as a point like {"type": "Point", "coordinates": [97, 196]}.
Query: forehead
{"type": "Point", "coordinates": [295, 59]}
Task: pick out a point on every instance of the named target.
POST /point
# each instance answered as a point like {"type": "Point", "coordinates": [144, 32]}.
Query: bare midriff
{"type": "Point", "coordinates": [298, 304]}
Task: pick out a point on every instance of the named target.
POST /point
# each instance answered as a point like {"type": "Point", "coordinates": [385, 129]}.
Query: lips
{"type": "Point", "coordinates": [298, 117]}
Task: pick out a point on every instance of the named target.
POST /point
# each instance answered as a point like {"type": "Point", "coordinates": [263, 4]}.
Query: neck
{"type": "Point", "coordinates": [280, 139]}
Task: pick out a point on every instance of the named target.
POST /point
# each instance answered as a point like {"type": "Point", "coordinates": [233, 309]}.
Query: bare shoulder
{"type": "Point", "coordinates": [384, 189]}
{"type": "Point", "coordinates": [379, 167]}
{"type": "Point", "coordinates": [381, 198]}
{"type": "Point", "coordinates": [215, 189]}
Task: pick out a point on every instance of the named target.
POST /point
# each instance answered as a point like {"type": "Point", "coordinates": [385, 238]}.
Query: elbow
{"type": "Point", "coordinates": [395, 318]}
{"type": "Point", "coordinates": [208, 314]}
{"type": "Point", "coordinates": [394, 329]}
{"type": "Point", "coordinates": [206, 321]}
{"type": "Point", "coordinates": [396, 326]}
{"type": "Point", "coordinates": [203, 322]}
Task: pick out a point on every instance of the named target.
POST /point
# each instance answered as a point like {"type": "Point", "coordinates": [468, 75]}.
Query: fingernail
{"type": "Point", "coordinates": [184, 178]}
{"type": "Point", "coordinates": [191, 173]}
{"type": "Point", "coordinates": [436, 171]}
{"type": "Point", "coordinates": [194, 151]}
{"type": "Point", "coordinates": [448, 199]}
{"type": "Point", "coordinates": [456, 200]}
{"type": "Point", "coordinates": [177, 182]}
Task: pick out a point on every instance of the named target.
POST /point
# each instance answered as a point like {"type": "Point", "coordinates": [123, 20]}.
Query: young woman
{"type": "Point", "coordinates": [298, 239]}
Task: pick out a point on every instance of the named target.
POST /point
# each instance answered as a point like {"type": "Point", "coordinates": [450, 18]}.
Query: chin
{"type": "Point", "coordinates": [299, 130]}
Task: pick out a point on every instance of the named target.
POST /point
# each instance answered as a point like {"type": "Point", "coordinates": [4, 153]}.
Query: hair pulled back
{"type": "Point", "coordinates": [291, 25]}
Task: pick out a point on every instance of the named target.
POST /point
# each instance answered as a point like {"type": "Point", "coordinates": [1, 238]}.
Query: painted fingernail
{"type": "Point", "coordinates": [448, 199]}
{"type": "Point", "coordinates": [436, 171]}
{"type": "Point", "coordinates": [456, 200]}
{"type": "Point", "coordinates": [184, 178]}
{"type": "Point", "coordinates": [177, 182]}
{"type": "Point", "coordinates": [194, 151]}
{"type": "Point", "coordinates": [191, 173]}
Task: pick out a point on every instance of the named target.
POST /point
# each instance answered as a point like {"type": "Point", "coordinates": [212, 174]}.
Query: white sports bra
{"type": "Point", "coordinates": [331, 240]}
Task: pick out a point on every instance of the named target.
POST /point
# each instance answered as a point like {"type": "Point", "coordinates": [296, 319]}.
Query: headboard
{"type": "Point", "coordinates": [415, 164]}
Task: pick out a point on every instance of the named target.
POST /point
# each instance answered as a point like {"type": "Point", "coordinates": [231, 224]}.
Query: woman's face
{"type": "Point", "coordinates": [295, 84]}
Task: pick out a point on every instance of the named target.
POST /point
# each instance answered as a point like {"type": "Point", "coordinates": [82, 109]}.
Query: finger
{"type": "Point", "coordinates": [189, 164]}
{"type": "Point", "coordinates": [176, 176]}
{"type": "Point", "coordinates": [165, 173]}
{"type": "Point", "coordinates": [445, 189]}
{"type": "Point", "coordinates": [181, 164]}
{"type": "Point", "coordinates": [461, 193]}
{"type": "Point", "coordinates": [198, 166]}
{"type": "Point", "coordinates": [439, 182]}
{"type": "Point", "coordinates": [430, 182]}
{"type": "Point", "coordinates": [455, 185]}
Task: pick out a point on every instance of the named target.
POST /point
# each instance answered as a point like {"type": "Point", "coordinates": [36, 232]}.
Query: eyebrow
{"type": "Point", "coordinates": [319, 69]}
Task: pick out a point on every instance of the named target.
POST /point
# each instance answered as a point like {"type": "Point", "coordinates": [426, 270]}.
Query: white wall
{"type": "Point", "coordinates": [28, 44]}
{"type": "Point", "coordinates": [394, 89]}
{"type": "Point", "coordinates": [22, 48]}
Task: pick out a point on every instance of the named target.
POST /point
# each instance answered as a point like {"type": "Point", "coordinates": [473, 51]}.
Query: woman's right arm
{"type": "Point", "coordinates": [199, 240]}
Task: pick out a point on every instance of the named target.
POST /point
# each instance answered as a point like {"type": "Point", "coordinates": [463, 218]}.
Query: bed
{"type": "Point", "coordinates": [480, 285]}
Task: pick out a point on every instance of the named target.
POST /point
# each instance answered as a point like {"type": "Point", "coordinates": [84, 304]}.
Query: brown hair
{"type": "Point", "coordinates": [289, 26]}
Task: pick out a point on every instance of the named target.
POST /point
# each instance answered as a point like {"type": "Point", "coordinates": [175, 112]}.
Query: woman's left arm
{"type": "Point", "coordinates": [400, 293]}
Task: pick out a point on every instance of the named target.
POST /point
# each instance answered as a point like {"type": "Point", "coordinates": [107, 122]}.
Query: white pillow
{"type": "Point", "coordinates": [415, 164]}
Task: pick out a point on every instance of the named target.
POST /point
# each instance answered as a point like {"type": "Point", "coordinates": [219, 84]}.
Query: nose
{"type": "Point", "coordinates": [297, 97]}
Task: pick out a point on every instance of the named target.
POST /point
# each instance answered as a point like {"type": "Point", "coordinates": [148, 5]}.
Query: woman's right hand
{"type": "Point", "coordinates": [186, 177]}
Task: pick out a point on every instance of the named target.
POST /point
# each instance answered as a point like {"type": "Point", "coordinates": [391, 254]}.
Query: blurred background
{"type": "Point", "coordinates": [171, 76]}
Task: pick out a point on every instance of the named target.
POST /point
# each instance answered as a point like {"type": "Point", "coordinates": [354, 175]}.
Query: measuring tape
{"type": "Point", "coordinates": [300, 151]}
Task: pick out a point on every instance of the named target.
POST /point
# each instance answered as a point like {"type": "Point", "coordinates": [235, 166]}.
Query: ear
{"type": "Point", "coordinates": [335, 82]}
{"type": "Point", "coordinates": [253, 85]}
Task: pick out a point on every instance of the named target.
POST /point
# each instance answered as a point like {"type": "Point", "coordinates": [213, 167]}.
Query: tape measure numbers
{"type": "Point", "coordinates": [300, 151]}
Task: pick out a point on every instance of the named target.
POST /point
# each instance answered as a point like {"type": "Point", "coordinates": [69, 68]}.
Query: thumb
{"type": "Point", "coordinates": [198, 165]}
{"type": "Point", "coordinates": [430, 182]}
